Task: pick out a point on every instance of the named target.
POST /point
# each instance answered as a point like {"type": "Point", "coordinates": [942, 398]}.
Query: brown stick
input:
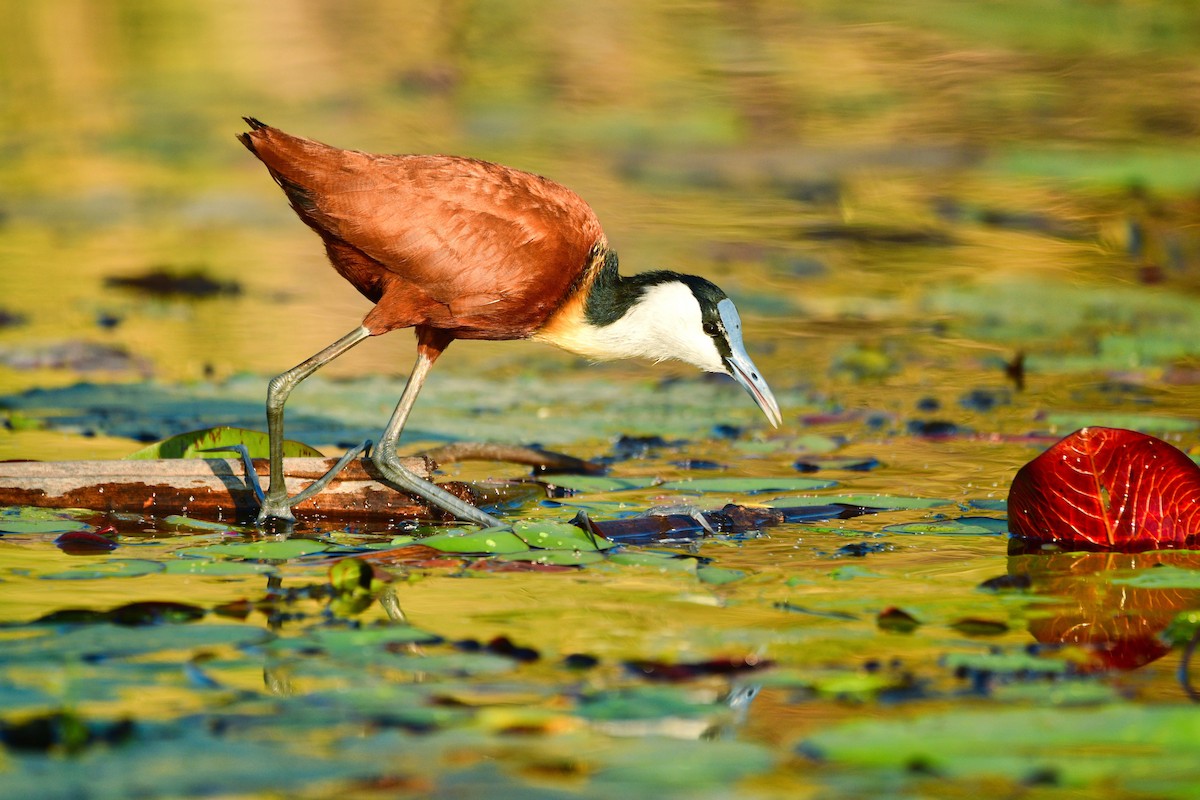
{"type": "Point", "coordinates": [211, 488]}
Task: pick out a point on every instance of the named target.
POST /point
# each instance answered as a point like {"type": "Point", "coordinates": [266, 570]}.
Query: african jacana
{"type": "Point", "coordinates": [465, 249]}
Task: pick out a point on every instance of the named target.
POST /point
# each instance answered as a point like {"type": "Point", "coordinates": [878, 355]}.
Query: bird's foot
{"type": "Point", "coordinates": [389, 465]}
{"type": "Point", "coordinates": [277, 504]}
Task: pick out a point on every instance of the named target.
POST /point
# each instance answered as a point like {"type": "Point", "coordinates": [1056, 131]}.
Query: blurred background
{"type": "Point", "coordinates": [898, 195]}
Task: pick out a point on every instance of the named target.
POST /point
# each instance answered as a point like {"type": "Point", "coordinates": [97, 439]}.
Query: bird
{"type": "Point", "coordinates": [460, 248]}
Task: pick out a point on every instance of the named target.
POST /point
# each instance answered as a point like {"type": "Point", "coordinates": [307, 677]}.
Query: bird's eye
{"type": "Point", "coordinates": [711, 328]}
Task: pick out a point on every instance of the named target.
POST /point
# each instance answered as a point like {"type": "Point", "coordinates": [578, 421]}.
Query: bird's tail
{"type": "Point", "coordinates": [246, 138]}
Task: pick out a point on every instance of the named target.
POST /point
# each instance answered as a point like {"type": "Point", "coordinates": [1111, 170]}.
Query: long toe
{"type": "Point", "coordinates": [394, 471]}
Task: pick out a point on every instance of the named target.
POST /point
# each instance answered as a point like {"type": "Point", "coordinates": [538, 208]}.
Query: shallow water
{"type": "Point", "coordinates": [900, 201]}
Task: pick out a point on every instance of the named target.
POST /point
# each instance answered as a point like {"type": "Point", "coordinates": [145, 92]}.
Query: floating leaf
{"type": "Point", "coordinates": [86, 542]}
{"type": "Point", "coordinates": [1098, 420]}
{"type": "Point", "coordinates": [963, 526]}
{"type": "Point", "coordinates": [643, 703]}
{"type": "Point", "coordinates": [1163, 577]}
{"type": "Point", "coordinates": [1112, 746]}
{"type": "Point", "coordinates": [597, 483]}
{"type": "Point", "coordinates": [561, 558]}
{"type": "Point", "coordinates": [719, 576]}
{"type": "Point", "coordinates": [180, 521]}
{"type": "Point", "coordinates": [881, 502]}
{"type": "Point", "coordinates": [343, 641]}
{"type": "Point", "coordinates": [663, 561]}
{"type": "Point", "coordinates": [107, 640]}
{"type": "Point", "coordinates": [116, 568]}
{"type": "Point", "coordinates": [1108, 488]}
{"type": "Point", "coordinates": [280, 550]}
{"type": "Point", "coordinates": [30, 519]}
{"type": "Point", "coordinates": [897, 620]}
{"type": "Point", "coordinates": [196, 566]}
{"type": "Point", "coordinates": [976, 626]}
{"type": "Point", "coordinates": [194, 443]}
{"type": "Point", "coordinates": [488, 540]}
{"type": "Point", "coordinates": [1005, 663]}
{"type": "Point", "coordinates": [1058, 693]}
{"type": "Point", "coordinates": [552, 535]}
{"type": "Point", "coordinates": [748, 485]}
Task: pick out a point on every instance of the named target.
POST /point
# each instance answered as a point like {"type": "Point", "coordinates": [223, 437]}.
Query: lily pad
{"type": "Point", "coordinates": [115, 641]}
{"type": "Point", "coordinates": [180, 521]}
{"type": "Point", "coordinates": [963, 526]}
{"type": "Point", "coordinates": [662, 561]}
{"type": "Point", "coordinates": [749, 485]}
{"type": "Point", "coordinates": [1120, 745]}
{"type": "Point", "coordinates": [552, 535]}
{"type": "Point", "coordinates": [115, 568]}
{"type": "Point", "coordinates": [561, 558]}
{"type": "Point", "coordinates": [1146, 423]}
{"type": "Point", "coordinates": [341, 641]}
{"type": "Point", "coordinates": [280, 550]}
{"type": "Point", "coordinates": [718, 576]}
{"type": "Point", "coordinates": [1163, 577]}
{"type": "Point", "coordinates": [488, 540]}
{"type": "Point", "coordinates": [197, 566]}
{"type": "Point", "coordinates": [597, 483]}
{"type": "Point", "coordinates": [881, 502]}
{"type": "Point", "coordinates": [1005, 663]}
{"type": "Point", "coordinates": [644, 703]}
{"type": "Point", "coordinates": [30, 519]}
{"type": "Point", "coordinates": [195, 443]}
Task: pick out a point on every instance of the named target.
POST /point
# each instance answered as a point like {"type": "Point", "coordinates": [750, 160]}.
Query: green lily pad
{"type": "Point", "coordinates": [1057, 693]}
{"type": "Point", "coordinates": [552, 535]}
{"type": "Point", "coordinates": [661, 767]}
{"type": "Point", "coordinates": [116, 641]}
{"type": "Point", "coordinates": [115, 568]}
{"type": "Point", "coordinates": [31, 519]}
{"type": "Point", "coordinates": [749, 485]}
{"type": "Point", "coordinates": [964, 526]}
{"type": "Point", "coordinates": [194, 443]}
{"type": "Point", "coordinates": [1163, 577]}
{"type": "Point", "coordinates": [1146, 423]}
{"type": "Point", "coordinates": [343, 640]}
{"type": "Point", "coordinates": [597, 483]}
{"type": "Point", "coordinates": [880, 501]}
{"type": "Point", "coordinates": [267, 550]}
{"type": "Point", "coordinates": [662, 561]}
{"type": "Point", "coordinates": [1005, 663]}
{"type": "Point", "coordinates": [1121, 745]}
{"type": "Point", "coordinates": [719, 575]}
{"type": "Point", "coordinates": [488, 540]}
{"type": "Point", "coordinates": [180, 521]}
{"type": "Point", "coordinates": [644, 703]}
{"type": "Point", "coordinates": [198, 566]}
{"type": "Point", "coordinates": [1183, 628]}
{"type": "Point", "coordinates": [562, 558]}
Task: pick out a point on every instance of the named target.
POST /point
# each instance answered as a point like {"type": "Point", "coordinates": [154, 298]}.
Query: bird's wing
{"type": "Point", "coordinates": [468, 232]}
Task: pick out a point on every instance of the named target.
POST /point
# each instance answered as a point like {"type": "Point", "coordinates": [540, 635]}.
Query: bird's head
{"type": "Point", "coordinates": [665, 315]}
{"type": "Point", "coordinates": [713, 341]}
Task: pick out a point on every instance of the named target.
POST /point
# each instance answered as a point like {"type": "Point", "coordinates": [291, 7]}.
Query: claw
{"type": "Point", "coordinates": [252, 478]}
{"type": "Point", "coordinates": [390, 467]}
{"type": "Point", "coordinates": [280, 508]}
{"type": "Point", "coordinates": [323, 481]}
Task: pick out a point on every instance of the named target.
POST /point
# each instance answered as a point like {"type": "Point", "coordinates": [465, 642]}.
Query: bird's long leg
{"type": "Point", "coordinates": [276, 504]}
{"type": "Point", "coordinates": [430, 345]}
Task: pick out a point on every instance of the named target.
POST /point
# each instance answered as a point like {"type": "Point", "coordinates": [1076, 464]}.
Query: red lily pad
{"type": "Point", "coordinates": [1109, 489]}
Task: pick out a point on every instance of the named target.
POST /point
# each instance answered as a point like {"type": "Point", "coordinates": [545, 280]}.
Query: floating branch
{"type": "Point", "coordinates": [206, 487]}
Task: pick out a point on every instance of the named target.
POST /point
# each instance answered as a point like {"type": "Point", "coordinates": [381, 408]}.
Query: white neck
{"type": "Point", "coordinates": [664, 324]}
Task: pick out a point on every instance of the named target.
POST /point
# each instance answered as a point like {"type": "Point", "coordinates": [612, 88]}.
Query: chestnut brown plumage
{"type": "Point", "coordinates": [464, 249]}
